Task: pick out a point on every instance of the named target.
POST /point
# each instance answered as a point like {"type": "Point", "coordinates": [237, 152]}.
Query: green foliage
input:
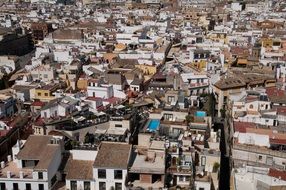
{"type": "Point", "coordinates": [216, 167]}
{"type": "Point", "coordinates": [189, 118]}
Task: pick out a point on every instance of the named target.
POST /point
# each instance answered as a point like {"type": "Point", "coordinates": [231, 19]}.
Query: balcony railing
{"type": "Point", "coordinates": [20, 175]}
{"type": "Point", "coordinates": [198, 85]}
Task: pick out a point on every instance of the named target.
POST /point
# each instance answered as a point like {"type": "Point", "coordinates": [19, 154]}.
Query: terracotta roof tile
{"type": "Point", "coordinates": [242, 126]}
{"type": "Point", "coordinates": [277, 174]}
{"type": "Point", "coordinates": [79, 169]}
{"type": "Point", "coordinates": [113, 155]}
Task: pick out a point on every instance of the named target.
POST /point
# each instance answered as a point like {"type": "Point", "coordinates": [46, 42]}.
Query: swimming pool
{"type": "Point", "coordinates": [200, 114]}
{"type": "Point", "coordinates": [153, 124]}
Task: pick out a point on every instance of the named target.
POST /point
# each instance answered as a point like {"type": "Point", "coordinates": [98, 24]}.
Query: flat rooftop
{"type": "Point", "coordinates": [15, 171]}
{"type": "Point", "coordinates": [148, 162]}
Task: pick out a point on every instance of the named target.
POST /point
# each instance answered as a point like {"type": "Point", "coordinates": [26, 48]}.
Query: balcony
{"type": "Point", "coordinates": [10, 170]}
{"type": "Point", "coordinates": [180, 169]}
{"type": "Point", "coordinates": [138, 185]}
{"type": "Point", "coordinates": [198, 85]}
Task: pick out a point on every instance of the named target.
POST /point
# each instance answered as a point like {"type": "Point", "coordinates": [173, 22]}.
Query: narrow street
{"type": "Point", "coordinates": [224, 183]}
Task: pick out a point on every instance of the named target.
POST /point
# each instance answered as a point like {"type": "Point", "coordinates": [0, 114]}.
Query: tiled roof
{"type": "Point", "coordinates": [276, 95]}
{"type": "Point", "coordinates": [277, 174]}
{"type": "Point", "coordinates": [39, 148]}
{"type": "Point", "coordinates": [281, 111]}
{"type": "Point", "coordinates": [34, 147]}
{"type": "Point", "coordinates": [38, 103]}
{"type": "Point", "coordinates": [242, 126]}
{"type": "Point", "coordinates": [230, 82]}
{"type": "Point", "coordinates": [68, 34]}
{"type": "Point", "coordinates": [113, 155]}
{"type": "Point", "coordinates": [79, 169]}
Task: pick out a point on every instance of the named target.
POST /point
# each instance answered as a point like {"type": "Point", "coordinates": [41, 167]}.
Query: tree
{"type": "Point", "coordinates": [222, 111]}
{"type": "Point", "coordinates": [86, 138]}
{"type": "Point", "coordinates": [189, 118]}
{"type": "Point", "coordinates": [216, 167]}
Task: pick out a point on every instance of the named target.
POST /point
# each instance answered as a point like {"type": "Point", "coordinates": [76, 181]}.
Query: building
{"type": "Point", "coordinates": [7, 105]}
{"type": "Point", "coordinates": [33, 164]}
{"type": "Point", "coordinates": [110, 169]}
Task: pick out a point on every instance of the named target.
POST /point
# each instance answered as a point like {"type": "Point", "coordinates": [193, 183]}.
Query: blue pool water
{"type": "Point", "coordinates": [200, 114]}
{"type": "Point", "coordinates": [153, 124]}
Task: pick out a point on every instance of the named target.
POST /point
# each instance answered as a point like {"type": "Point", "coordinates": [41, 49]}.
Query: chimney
{"type": "Point", "coordinates": [8, 174]}
{"type": "Point", "coordinates": [21, 174]}
{"type": "Point", "coordinates": [222, 61]}
{"type": "Point", "coordinates": [9, 158]}
{"type": "Point", "coordinates": [2, 164]}
{"type": "Point", "coordinates": [16, 149]}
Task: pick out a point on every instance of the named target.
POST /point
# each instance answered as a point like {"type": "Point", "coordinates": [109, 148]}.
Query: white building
{"type": "Point", "coordinates": [253, 178]}
{"type": "Point", "coordinates": [79, 170]}
{"type": "Point", "coordinates": [101, 91]}
{"type": "Point", "coordinates": [33, 165]}
{"type": "Point", "coordinates": [111, 166]}
{"type": "Point", "coordinates": [59, 107]}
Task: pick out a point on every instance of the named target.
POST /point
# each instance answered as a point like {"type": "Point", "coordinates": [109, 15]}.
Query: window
{"type": "Point", "coordinates": [41, 186]}
{"type": "Point", "coordinates": [15, 186]}
{"type": "Point", "coordinates": [73, 185]}
{"type": "Point", "coordinates": [201, 188]}
{"type": "Point", "coordinates": [181, 178]}
{"type": "Point", "coordinates": [45, 76]}
{"type": "Point", "coordinates": [168, 116]}
{"type": "Point", "coordinates": [28, 186]}
{"type": "Point", "coordinates": [35, 76]}
{"type": "Point", "coordinates": [40, 175]}
{"type": "Point", "coordinates": [39, 93]}
{"type": "Point", "coordinates": [118, 186]}
{"type": "Point", "coordinates": [102, 186]}
{"type": "Point", "coordinates": [171, 99]}
{"type": "Point", "coordinates": [2, 186]}
{"type": "Point", "coordinates": [101, 174]}
{"type": "Point", "coordinates": [118, 125]}
{"type": "Point", "coordinates": [259, 157]}
{"type": "Point", "coordinates": [46, 94]}
{"type": "Point", "coordinates": [250, 106]}
{"type": "Point", "coordinates": [117, 174]}
{"type": "Point", "coordinates": [86, 185]}
{"type": "Point", "coordinates": [54, 180]}
{"type": "Point", "coordinates": [203, 160]}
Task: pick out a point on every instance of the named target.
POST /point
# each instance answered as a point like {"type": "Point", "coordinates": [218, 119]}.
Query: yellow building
{"type": "Point", "coordinates": [110, 57]}
{"type": "Point", "coordinates": [242, 61]}
{"type": "Point", "coordinates": [267, 42]}
{"type": "Point", "coordinates": [218, 37]}
{"type": "Point", "coordinates": [45, 93]}
{"type": "Point", "coordinates": [147, 69]}
{"type": "Point", "coordinates": [82, 83]}
{"type": "Point", "coordinates": [201, 64]}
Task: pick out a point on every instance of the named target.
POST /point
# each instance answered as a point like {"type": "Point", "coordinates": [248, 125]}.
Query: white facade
{"type": "Point", "coordinates": [9, 64]}
{"type": "Point", "coordinates": [110, 180]}
{"type": "Point", "coordinates": [62, 56]}
{"type": "Point", "coordinates": [104, 91]}
{"type": "Point", "coordinates": [202, 185]}
{"type": "Point", "coordinates": [17, 175]}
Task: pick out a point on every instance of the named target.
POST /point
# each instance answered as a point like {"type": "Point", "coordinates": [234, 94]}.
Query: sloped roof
{"type": "Point", "coordinates": [79, 169]}
{"type": "Point", "coordinates": [39, 148]}
{"type": "Point", "coordinates": [113, 155]}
